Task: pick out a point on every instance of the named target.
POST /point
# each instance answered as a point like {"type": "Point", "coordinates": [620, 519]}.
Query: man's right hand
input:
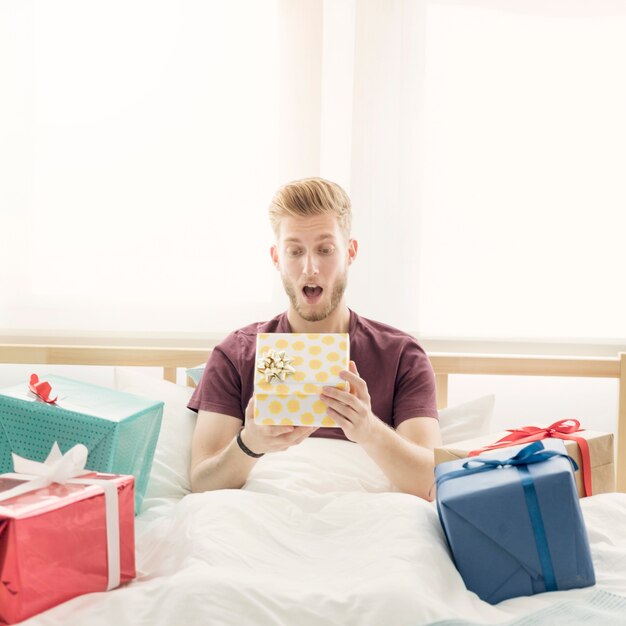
{"type": "Point", "coordinates": [260, 438]}
{"type": "Point", "coordinates": [217, 462]}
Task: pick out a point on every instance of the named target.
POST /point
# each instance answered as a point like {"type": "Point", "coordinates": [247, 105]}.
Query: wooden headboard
{"type": "Point", "coordinates": [172, 358]}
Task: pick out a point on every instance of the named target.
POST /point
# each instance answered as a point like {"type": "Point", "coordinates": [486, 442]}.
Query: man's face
{"type": "Point", "coordinates": [313, 256]}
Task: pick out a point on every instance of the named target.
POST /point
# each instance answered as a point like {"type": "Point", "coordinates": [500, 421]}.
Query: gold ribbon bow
{"type": "Point", "coordinates": [275, 365]}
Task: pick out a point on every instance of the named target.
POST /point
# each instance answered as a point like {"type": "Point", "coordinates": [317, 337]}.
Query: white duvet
{"type": "Point", "coordinates": [316, 537]}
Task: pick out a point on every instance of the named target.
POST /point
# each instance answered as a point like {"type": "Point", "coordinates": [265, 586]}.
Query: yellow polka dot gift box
{"type": "Point", "coordinates": [291, 369]}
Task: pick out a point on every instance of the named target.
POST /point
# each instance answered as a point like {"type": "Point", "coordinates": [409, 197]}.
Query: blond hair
{"type": "Point", "coordinates": [311, 196]}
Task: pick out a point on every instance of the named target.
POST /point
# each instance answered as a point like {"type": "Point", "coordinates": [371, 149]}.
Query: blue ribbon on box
{"type": "Point", "coordinates": [533, 453]}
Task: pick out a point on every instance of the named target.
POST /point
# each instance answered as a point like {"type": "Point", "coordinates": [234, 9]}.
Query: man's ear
{"type": "Point", "coordinates": [274, 255]}
{"type": "Point", "coordinates": [353, 247]}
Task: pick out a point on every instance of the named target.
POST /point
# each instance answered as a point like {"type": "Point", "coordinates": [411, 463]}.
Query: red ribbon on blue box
{"type": "Point", "coordinates": [563, 429]}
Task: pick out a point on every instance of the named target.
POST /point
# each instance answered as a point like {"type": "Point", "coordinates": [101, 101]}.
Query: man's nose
{"type": "Point", "coordinates": [310, 265]}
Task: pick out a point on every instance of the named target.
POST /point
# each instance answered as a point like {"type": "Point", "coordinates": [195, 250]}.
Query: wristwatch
{"type": "Point", "coordinates": [245, 448]}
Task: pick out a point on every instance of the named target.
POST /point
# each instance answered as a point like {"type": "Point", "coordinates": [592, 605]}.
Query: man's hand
{"type": "Point", "coordinates": [404, 454]}
{"type": "Point", "coordinates": [262, 439]}
{"type": "Point", "coordinates": [352, 410]}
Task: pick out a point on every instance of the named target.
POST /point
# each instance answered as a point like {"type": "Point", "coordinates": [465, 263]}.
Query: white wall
{"type": "Point", "coordinates": [525, 401]}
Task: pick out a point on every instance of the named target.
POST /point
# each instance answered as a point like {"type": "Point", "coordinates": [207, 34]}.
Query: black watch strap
{"type": "Point", "coordinates": [245, 448]}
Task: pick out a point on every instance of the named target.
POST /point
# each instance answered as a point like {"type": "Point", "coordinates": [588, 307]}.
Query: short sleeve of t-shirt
{"type": "Point", "coordinates": [228, 379]}
{"type": "Point", "coordinates": [398, 373]}
{"type": "Point", "coordinates": [415, 390]}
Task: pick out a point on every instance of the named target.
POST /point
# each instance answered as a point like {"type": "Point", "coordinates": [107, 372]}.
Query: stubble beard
{"type": "Point", "coordinates": [317, 316]}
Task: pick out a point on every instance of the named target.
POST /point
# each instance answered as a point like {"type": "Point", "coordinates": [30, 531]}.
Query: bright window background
{"type": "Point", "coordinates": [140, 155]}
{"type": "Point", "coordinates": [140, 143]}
{"type": "Point", "coordinates": [483, 148]}
{"type": "Point", "coordinates": [523, 223]}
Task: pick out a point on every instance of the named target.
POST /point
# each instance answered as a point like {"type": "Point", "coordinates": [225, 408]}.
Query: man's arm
{"type": "Point", "coordinates": [217, 461]}
{"type": "Point", "coordinates": [405, 455]}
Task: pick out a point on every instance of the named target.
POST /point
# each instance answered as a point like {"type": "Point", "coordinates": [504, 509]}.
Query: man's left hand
{"type": "Point", "coordinates": [352, 410]}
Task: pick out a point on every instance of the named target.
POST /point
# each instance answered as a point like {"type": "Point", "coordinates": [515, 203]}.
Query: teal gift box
{"type": "Point", "coordinates": [119, 429]}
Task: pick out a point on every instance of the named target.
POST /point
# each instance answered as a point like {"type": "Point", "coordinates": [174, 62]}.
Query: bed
{"type": "Point", "coordinates": [317, 535]}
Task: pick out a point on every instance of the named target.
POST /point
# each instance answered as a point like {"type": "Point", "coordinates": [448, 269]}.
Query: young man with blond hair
{"type": "Point", "coordinates": [390, 408]}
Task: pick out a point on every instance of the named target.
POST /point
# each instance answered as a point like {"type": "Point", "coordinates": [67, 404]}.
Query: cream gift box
{"type": "Point", "coordinates": [291, 369]}
{"type": "Point", "coordinates": [600, 444]}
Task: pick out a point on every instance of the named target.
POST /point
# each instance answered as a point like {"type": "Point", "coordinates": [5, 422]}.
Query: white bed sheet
{"type": "Point", "coordinates": [315, 537]}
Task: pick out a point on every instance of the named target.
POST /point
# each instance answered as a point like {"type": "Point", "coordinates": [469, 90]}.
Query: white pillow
{"type": "Point", "coordinates": [466, 421]}
{"type": "Point", "coordinates": [169, 477]}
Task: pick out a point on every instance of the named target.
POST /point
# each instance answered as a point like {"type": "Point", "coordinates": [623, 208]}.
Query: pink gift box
{"type": "Point", "coordinates": [54, 545]}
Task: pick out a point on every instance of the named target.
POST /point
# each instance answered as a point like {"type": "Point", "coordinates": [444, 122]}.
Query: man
{"type": "Point", "coordinates": [390, 409]}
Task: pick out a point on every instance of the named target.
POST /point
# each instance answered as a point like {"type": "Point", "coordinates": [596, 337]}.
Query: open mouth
{"type": "Point", "coordinates": [312, 293]}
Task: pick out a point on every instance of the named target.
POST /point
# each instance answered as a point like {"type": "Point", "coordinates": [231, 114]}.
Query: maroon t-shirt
{"type": "Point", "coordinates": [399, 376]}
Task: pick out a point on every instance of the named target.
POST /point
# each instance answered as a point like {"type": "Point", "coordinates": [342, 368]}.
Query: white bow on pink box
{"type": "Point", "coordinates": [65, 468]}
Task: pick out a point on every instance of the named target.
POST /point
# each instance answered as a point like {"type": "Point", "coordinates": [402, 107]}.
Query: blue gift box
{"type": "Point", "coordinates": [119, 429]}
{"type": "Point", "coordinates": [513, 521]}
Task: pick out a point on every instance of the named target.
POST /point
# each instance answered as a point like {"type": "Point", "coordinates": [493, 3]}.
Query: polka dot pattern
{"type": "Point", "coordinates": [317, 358]}
{"type": "Point", "coordinates": [319, 407]}
{"type": "Point", "coordinates": [282, 389]}
{"type": "Point", "coordinates": [274, 407]}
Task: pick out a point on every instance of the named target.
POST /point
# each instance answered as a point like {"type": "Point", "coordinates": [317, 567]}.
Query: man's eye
{"type": "Point", "coordinates": [294, 251]}
{"type": "Point", "coordinates": [327, 250]}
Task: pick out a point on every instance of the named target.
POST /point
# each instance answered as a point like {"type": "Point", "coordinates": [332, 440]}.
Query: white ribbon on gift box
{"type": "Point", "coordinates": [64, 468]}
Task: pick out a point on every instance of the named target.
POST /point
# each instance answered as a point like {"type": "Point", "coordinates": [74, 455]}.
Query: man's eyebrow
{"type": "Point", "coordinates": [318, 238]}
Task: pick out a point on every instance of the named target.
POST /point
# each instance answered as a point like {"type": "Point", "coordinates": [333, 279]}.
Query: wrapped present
{"type": "Point", "coordinates": [592, 451]}
{"type": "Point", "coordinates": [513, 521]}
{"type": "Point", "coordinates": [63, 533]}
{"type": "Point", "coordinates": [291, 369]}
{"type": "Point", "coordinates": [119, 429]}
